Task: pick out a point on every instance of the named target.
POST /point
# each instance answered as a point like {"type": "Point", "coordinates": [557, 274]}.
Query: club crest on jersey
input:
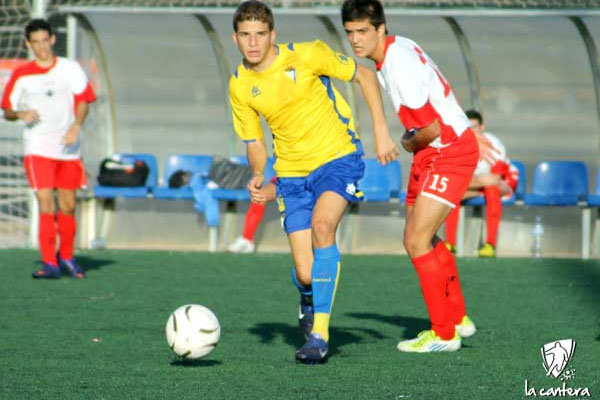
{"type": "Point", "coordinates": [291, 73]}
{"type": "Point", "coordinates": [342, 58]}
{"type": "Point", "coordinates": [350, 189]}
{"type": "Point", "coordinates": [255, 91]}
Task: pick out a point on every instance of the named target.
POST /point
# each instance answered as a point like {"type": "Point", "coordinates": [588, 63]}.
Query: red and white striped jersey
{"type": "Point", "coordinates": [418, 90]}
{"type": "Point", "coordinates": [54, 92]}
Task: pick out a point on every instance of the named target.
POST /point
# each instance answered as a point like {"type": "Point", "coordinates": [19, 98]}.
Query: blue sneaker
{"type": "Point", "coordinates": [49, 271]}
{"type": "Point", "coordinates": [71, 268]}
{"type": "Point", "coordinates": [306, 315]}
{"type": "Point", "coordinates": [314, 351]}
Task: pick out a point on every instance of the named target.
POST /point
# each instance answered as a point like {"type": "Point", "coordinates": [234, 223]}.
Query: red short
{"type": "Point", "coordinates": [444, 173]}
{"type": "Point", "coordinates": [50, 173]}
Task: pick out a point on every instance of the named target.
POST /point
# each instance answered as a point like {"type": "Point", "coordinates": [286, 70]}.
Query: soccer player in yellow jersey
{"type": "Point", "coordinates": [318, 153]}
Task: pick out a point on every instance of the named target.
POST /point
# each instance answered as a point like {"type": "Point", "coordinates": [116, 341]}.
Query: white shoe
{"type": "Point", "coordinates": [429, 342]}
{"type": "Point", "coordinates": [466, 328]}
{"type": "Point", "coordinates": [241, 245]}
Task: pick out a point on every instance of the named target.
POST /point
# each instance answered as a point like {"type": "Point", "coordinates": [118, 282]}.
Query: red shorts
{"type": "Point", "coordinates": [444, 173]}
{"type": "Point", "coordinates": [50, 173]}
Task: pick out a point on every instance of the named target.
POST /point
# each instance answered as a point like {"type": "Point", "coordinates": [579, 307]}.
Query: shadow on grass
{"type": "Point", "coordinates": [90, 263]}
{"type": "Point", "coordinates": [412, 326]}
{"type": "Point", "coordinates": [340, 336]}
{"type": "Point", "coordinates": [199, 363]}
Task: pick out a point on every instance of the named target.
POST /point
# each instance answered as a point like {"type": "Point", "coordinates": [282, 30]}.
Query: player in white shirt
{"type": "Point", "coordinates": [445, 155]}
{"type": "Point", "coordinates": [494, 178]}
{"type": "Point", "coordinates": [50, 95]}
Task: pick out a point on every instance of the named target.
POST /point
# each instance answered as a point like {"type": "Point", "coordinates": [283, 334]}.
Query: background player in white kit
{"type": "Point", "coordinates": [445, 154]}
{"type": "Point", "coordinates": [493, 178]}
{"type": "Point", "coordinates": [50, 95]}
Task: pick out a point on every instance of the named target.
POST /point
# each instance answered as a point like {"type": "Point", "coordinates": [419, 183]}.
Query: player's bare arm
{"type": "Point", "coordinates": [257, 158]}
{"type": "Point", "coordinates": [28, 116]}
{"type": "Point", "coordinates": [417, 139]}
{"type": "Point", "coordinates": [385, 148]}
{"type": "Point", "coordinates": [72, 135]}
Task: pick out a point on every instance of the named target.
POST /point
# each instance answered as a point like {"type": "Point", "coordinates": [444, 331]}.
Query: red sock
{"type": "Point", "coordinates": [253, 218]}
{"type": "Point", "coordinates": [452, 225]}
{"type": "Point", "coordinates": [67, 226]}
{"type": "Point", "coordinates": [432, 279]}
{"type": "Point", "coordinates": [493, 205]}
{"type": "Point", "coordinates": [453, 290]}
{"type": "Point", "coordinates": [47, 238]}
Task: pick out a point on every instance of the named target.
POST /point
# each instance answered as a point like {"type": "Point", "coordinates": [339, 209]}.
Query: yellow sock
{"type": "Point", "coordinates": [321, 325]}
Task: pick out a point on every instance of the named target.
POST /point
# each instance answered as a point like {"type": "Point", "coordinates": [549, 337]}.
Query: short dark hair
{"type": "Point", "coordinates": [358, 10]}
{"type": "Point", "coordinates": [37, 25]}
{"type": "Point", "coordinates": [253, 10]}
{"type": "Point", "coordinates": [473, 114]}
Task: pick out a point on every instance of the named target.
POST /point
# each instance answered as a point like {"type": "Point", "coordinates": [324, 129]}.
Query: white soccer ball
{"type": "Point", "coordinates": [192, 331]}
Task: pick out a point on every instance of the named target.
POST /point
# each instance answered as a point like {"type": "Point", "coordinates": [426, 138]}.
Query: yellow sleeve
{"type": "Point", "coordinates": [324, 61]}
{"type": "Point", "coordinates": [246, 121]}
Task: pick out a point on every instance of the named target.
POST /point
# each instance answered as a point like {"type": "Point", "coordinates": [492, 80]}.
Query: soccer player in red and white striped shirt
{"type": "Point", "coordinates": [445, 155]}
{"type": "Point", "coordinates": [50, 95]}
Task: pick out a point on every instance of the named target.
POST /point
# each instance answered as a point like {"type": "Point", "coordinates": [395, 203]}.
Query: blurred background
{"type": "Point", "coordinates": [160, 69]}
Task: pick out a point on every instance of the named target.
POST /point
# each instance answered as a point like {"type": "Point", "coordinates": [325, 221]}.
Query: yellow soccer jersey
{"type": "Point", "coordinates": [311, 123]}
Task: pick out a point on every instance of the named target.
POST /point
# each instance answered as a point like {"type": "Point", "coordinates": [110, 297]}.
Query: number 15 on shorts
{"type": "Point", "coordinates": [439, 184]}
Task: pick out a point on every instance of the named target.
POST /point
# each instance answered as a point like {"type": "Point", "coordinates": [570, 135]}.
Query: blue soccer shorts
{"type": "Point", "coordinates": [296, 197]}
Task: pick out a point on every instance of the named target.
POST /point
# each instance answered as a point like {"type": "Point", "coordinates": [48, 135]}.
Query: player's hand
{"type": "Point", "coordinates": [260, 196]}
{"type": "Point", "coordinates": [29, 116]}
{"type": "Point", "coordinates": [254, 187]}
{"type": "Point", "coordinates": [386, 149]}
{"type": "Point", "coordinates": [266, 193]}
{"type": "Point", "coordinates": [270, 192]}
{"type": "Point", "coordinates": [72, 135]}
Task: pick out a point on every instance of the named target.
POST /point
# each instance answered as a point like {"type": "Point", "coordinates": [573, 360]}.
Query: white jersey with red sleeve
{"type": "Point", "coordinates": [418, 90]}
{"type": "Point", "coordinates": [54, 93]}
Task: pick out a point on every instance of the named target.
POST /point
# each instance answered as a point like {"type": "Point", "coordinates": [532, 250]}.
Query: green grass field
{"type": "Point", "coordinates": [103, 337]}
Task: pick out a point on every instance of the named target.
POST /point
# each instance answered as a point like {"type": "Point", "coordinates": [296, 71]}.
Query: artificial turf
{"type": "Point", "coordinates": [103, 337]}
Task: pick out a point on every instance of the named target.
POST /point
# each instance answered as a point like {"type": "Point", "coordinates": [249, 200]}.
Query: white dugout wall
{"type": "Point", "coordinates": [162, 75]}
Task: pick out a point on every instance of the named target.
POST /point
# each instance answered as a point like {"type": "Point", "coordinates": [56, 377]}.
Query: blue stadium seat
{"type": "Point", "coordinates": [196, 164]}
{"type": "Point", "coordinates": [204, 201]}
{"type": "Point", "coordinates": [558, 183]}
{"type": "Point", "coordinates": [522, 185]}
{"type": "Point", "coordinates": [518, 195]}
{"type": "Point", "coordinates": [594, 199]}
{"type": "Point", "coordinates": [110, 192]}
{"type": "Point", "coordinates": [381, 183]}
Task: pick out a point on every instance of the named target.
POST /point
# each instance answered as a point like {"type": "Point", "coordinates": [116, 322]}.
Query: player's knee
{"type": "Point", "coordinates": [409, 245]}
{"type": "Point", "coordinates": [67, 207]}
{"type": "Point", "coordinates": [323, 232]}
{"type": "Point", "coordinates": [46, 205]}
{"type": "Point", "coordinates": [416, 244]}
